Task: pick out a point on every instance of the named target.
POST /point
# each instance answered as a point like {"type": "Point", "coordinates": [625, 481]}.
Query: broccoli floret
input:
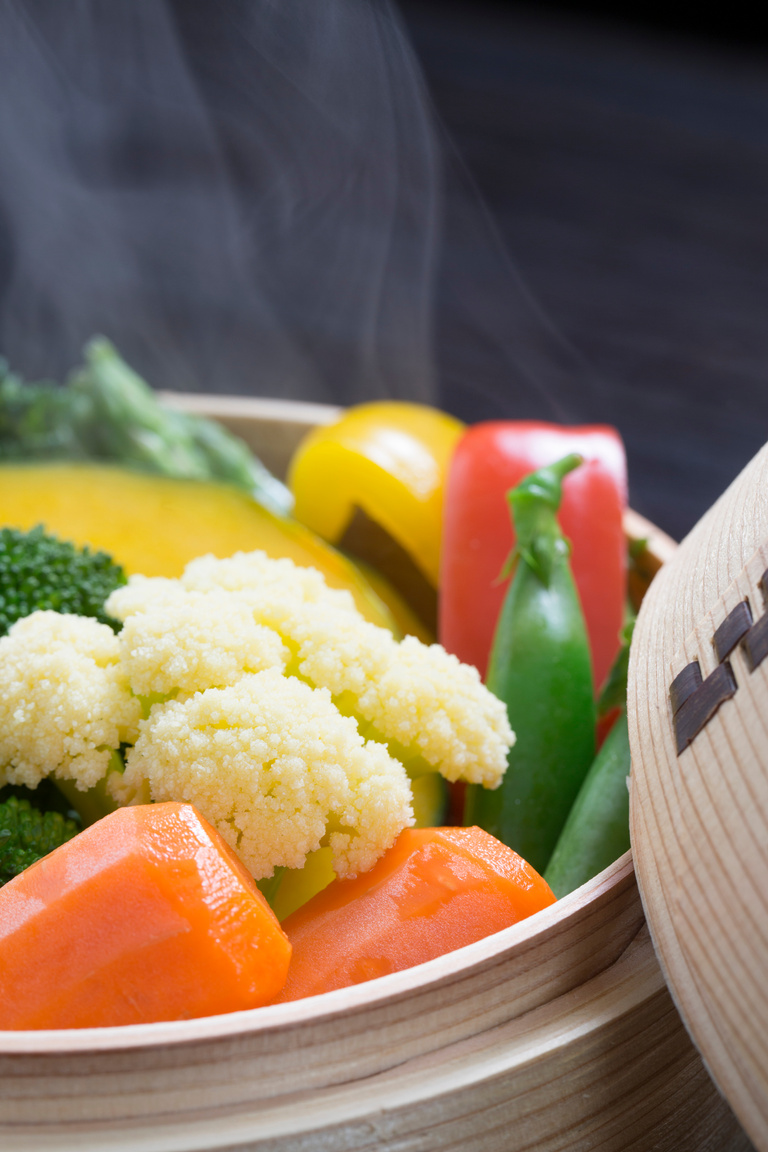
{"type": "Point", "coordinates": [39, 571]}
{"type": "Point", "coordinates": [26, 835]}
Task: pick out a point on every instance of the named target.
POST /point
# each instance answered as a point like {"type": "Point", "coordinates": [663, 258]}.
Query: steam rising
{"type": "Point", "coordinates": [251, 196]}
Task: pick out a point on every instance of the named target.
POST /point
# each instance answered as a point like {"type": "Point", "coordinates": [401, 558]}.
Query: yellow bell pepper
{"type": "Point", "coordinates": [373, 484]}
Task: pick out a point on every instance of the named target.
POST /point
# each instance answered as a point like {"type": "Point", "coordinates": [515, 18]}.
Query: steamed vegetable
{"type": "Point", "coordinates": [107, 412]}
{"type": "Point", "coordinates": [540, 667]}
{"type": "Point", "coordinates": [39, 571]}
{"type": "Point", "coordinates": [292, 887]}
{"type": "Point", "coordinates": [597, 829]}
{"type": "Point", "coordinates": [406, 622]}
{"type": "Point", "coordinates": [27, 834]}
{"type": "Point", "coordinates": [289, 888]}
{"type": "Point", "coordinates": [277, 769]}
{"type": "Point", "coordinates": [147, 915]}
{"type": "Point", "coordinates": [156, 525]}
{"type": "Point", "coordinates": [435, 890]}
{"type": "Point", "coordinates": [269, 702]}
{"type": "Point", "coordinates": [372, 483]}
{"type": "Point", "coordinates": [489, 460]}
{"type": "Point", "coordinates": [65, 702]}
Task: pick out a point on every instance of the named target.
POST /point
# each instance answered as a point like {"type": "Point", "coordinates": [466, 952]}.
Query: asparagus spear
{"type": "Point", "coordinates": [107, 412]}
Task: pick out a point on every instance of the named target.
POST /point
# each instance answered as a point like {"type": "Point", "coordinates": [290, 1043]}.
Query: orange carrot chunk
{"type": "Point", "coordinates": [436, 889]}
{"type": "Point", "coordinates": [146, 915]}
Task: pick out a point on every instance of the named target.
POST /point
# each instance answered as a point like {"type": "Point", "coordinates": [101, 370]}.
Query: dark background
{"type": "Point", "coordinates": [599, 207]}
{"type": "Point", "coordinates": [623, 154]}
{"type": "Point", "coordinates": [735, 23]}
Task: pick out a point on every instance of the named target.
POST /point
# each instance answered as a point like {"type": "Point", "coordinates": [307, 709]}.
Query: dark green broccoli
{"type": "Point", "coordinates": [26, 835]}
{"type": "Point", "coordinates": [39, 571]}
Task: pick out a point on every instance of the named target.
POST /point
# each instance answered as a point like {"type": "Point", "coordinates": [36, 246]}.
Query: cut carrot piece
{"type": "Point", "coordinates": [146, 915]}
{"type": "Point", "coordinates": [435, 890]}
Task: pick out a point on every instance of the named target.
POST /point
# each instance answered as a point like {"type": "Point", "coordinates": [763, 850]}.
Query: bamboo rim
{"type": "Point", "coordinates": [256, 421]}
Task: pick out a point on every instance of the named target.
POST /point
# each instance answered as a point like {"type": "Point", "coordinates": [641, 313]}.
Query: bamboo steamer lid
{"type": "Point", "coordinates": [698, 707]}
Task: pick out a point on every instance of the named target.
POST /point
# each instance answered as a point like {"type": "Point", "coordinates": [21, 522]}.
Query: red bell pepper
{"type": "Point", "coordinates": [490, 459]}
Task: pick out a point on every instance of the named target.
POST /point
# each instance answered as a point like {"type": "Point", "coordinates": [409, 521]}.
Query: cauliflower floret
{"type": "Point", "coordinates": [414, 694]}
{"type": "Point", "coordinates": [271, 585]}
{"type": "Point", "coordinates": [341, 652]}
{"type": "Point", "coordinates": [429, 699]}
{"type": "Point", "coordinates": [276, 768]}
{"type": "Point", "coordinates": [277, 679]}
{"type": "Point", "coordinates": [193, 641]}
{"type": "Point", "coordinates": [65, 703]}
{"type": "Point", "coordinates": [140, 594]}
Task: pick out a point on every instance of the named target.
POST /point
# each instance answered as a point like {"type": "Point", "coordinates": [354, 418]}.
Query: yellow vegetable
{"type": "Point", "coordinates": [381, 466]}
{"type": "Point", "coordinates": [408, 623]}
{"type": "Point", "coordinates": [156, 525]}
{"type": "Point", "coordinates": [429, 794]}
{"type": "Point", "coordinates": [298, 885]}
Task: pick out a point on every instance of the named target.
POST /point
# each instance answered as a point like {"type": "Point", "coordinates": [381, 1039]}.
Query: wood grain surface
{"type": "Point", "coordinates": [699, 819]}
{"type": "Point", "coordinates": [350, 1034]}
{"type": "Point", "coordinates": [607, 1067]}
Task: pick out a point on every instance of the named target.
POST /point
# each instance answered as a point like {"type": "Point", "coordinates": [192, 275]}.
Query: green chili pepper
{"type": "Point", "coordinates": [540, 667]}
{"type": "Point", "coordinates": [597, 830]}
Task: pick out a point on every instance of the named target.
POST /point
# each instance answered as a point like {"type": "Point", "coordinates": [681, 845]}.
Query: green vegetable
{"type": "Point", "coordinates": [430, 800]}
{"type": "Point", "coordinates": [126, 423]}
{"type": "Point", "coordinates": [540, 667]}
{"type": "Point", "coordinates": [26, 835]}
{"type": "Point", "coordinates": [614, 691]}
{"type": "Point", "coordinates": [46, 797]}
{"type": "Point", "coordinates": [597, 829]}
{"type": "Point", "coordinates": [39, 571]}
{"type": "Point", "coordinates": [107, 412]}
{"type": "Point", "coordinates": [270, 884]}
{"type": "Point", "coordinates": [40, 421]}
{"type": "Point", "coordinates": [93, 803]}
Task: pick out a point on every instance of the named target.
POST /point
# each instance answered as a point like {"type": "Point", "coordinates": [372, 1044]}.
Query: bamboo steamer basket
{"type": "Point", "coordinates": [698, 702]}
{"type": "Point", "coordinates": [558, 1033]}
